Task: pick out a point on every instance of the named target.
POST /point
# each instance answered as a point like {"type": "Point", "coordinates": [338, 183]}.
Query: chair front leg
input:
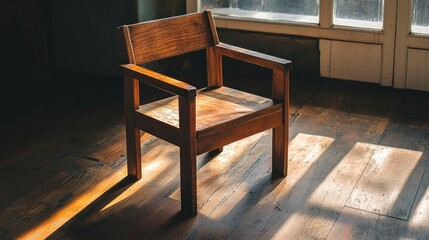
{"type": "Point", "coordinates": [281, 133]}
{"type": "Point", "coordinates": [280, 152]}
{"type": "Point", "coordinates": [132, 102]}
{"type": "Point", "coordinates": [133, 153]}
{"type": "Point", "coordinates": [188, 156]}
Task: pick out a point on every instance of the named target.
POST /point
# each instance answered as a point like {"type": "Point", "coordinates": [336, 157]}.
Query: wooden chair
{"type": "Point", "coordinates": [198, 121]}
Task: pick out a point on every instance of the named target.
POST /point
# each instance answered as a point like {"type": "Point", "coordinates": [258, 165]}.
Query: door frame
{"type": "Point", "coordinates": [406, 40]}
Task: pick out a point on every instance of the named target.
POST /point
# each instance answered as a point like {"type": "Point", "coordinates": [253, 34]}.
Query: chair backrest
{"type": "Point", "coordinates": [159, 39]}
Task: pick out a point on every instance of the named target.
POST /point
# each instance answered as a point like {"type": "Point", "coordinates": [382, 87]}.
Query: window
{"type": "Point", "coordinates": [374, 30]}
{"type": "Point", "coordinates": [306, 11]}
{"type": "Point", "coordinates": [362, 13]}
{"type": "Point", "coordinates": [420, 19]}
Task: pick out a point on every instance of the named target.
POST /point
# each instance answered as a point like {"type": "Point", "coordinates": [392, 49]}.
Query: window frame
{"type": "Point", "coordinates": [395, 38]}
{"type": "Point", "coordinates": [325, 29]}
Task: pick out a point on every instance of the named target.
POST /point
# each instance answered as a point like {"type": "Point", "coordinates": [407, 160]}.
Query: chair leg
{"type": "Point", "coordinates": [188, 155]}
{"type": "Point", "coordinates": [132, 102]}
{"type": "Point", "coordinates": [133, 152]}
{"type": "Point", "coordinates": [188, 180]}
{"type": "Point", "coordinates": [280, 151]}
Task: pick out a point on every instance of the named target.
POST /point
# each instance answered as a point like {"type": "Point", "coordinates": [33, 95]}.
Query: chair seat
{"type": "Point", "coordinates": [218, 110]}
{"type": "Point", "coordinates": [213, 107]}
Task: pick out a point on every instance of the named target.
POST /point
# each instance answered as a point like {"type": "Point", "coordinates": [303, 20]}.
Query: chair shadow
{"type": "Point", "coordinates": [106, 221]}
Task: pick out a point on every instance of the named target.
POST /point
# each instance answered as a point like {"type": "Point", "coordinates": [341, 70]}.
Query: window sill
{"type": "Point", "coordinates": [265, 16]}
{"type": "Point", "coordinates": [305, 29]}
{"type": "Point", "coordinates": [420, 30]}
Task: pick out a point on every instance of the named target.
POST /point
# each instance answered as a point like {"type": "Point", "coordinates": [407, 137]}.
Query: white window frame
{"type": "Point", "coordinates": [325, 30]}
{"type": "Point", "coordinates": [406, 41]}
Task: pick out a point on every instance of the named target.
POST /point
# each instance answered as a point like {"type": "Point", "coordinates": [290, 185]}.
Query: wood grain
{"type": "Point", "coordinates": [217, 110]}
{"type": "Point", "coordinates": [159, 80]}
{"type": "Point", "coordinates": [253, 57]}
{"type": "Point", "coordinates": [214, 68]}
{"type": "Point", "coordinates": [281, 133]}
{"type": "Point", "coordinates": [132, 102]}
{"type": "Point", "coordinates": [191, 33]}
{"type": "Point", "coordinates": [188, 156]}
{"type": "Point", "coordinates": [389, 194]}
{"type": "Point", "coordinates": [215, 137]}
{"type": "Point", "coordinates": [356, 224]}
{"type": "Point", "coordinates": [403, 136]}
{"type": "Point", "coordinates": [157, 128]}
{"type": "Point", "coordinates": [212, 107]}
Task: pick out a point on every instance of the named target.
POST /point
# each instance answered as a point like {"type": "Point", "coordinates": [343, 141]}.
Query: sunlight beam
{"type": "Point", "coordinates": [62, 216]}
{"type": "Point", "coordinates": [389, 183]}
{"type": "Point", "coordinates": [156, 166]}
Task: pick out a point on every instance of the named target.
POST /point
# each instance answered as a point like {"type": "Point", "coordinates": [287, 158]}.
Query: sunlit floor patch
{"type": "Point", "coordinates": [389, 183]}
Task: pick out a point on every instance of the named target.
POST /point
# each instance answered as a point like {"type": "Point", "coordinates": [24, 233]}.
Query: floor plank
{"type": "Point", "coordinates": [389, 184]}
{"type": "Point", "coordinates": [358, 224]}
{"type": "Point", "coordinates": [417, 226]}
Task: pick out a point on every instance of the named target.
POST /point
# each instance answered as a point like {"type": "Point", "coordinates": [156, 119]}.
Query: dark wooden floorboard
{"type": "Point", "coordinates": [63, 174]}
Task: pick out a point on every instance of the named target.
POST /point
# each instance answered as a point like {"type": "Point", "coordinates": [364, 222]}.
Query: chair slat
{"type": "Point", "coordinates": [170, 37]}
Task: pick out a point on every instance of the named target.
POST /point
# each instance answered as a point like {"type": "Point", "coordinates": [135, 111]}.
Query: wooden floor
{"type": "Point", "coordinates": [357, 170]}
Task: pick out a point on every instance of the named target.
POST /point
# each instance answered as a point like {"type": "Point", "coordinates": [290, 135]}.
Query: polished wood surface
{"type": "Point", "coordinates": [213, 106]}
{"type": "Point", "coordinates": [169, 37]}
{"type": "Point", "coordinates": [63, 172]}
{"type": "Point", "coordinates": [253, 57]}
{"type": "Point", "coordinates": [188, 155]}
{"type": "Point", "coordinates": [159, 80]}
{"type": "Point", "coordinates": [132, 103]}
{"type": "Point", "coordinates": [281, 132]}
{"type": "Point", "coordinates": [217, 115]}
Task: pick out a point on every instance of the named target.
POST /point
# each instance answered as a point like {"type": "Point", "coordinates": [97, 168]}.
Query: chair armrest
{"type": "Point", "coordinates": [159, 80]}
{"type": "Point", "coordinates": [253, 57]}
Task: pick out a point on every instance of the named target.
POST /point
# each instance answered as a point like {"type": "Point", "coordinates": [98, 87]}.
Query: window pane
{"type": "Point", "coordinates": [282, 10]}
{"type": "Point", "coordinates": [362, 13]}
{"type": "Point", "coordinates": [420, 17]}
